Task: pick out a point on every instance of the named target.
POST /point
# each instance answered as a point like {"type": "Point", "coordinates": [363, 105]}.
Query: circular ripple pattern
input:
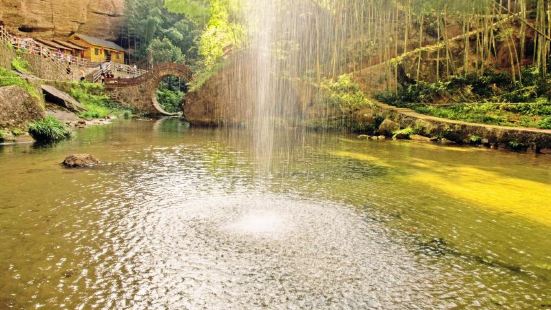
{"type": "Point", "coordinates": [263, 250]}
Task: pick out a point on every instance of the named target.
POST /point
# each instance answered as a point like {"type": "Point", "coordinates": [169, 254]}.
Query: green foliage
{"type": "Point", "coordinates": [149, 20]}
{"type": "Point", "coordinates": [475, 139]}
{"type": "Point", "coordinates": [545, 123]}
{"type": "Point", "coordinates": [516, 146]}
{"type": "Point", "coordinates": [222, 31]}
{"type": "Point", "coordinates": [505, 114]}
{"type": "Point", "coordinates": [20, 65]}
{"type": "Point", "coordinates": [197, 31]}
{"type": "Point", "coordinates": [204, 75]}
{"type": "Point", "coordinates": [197, 11]}
{"type": "Point", "coordinates": [170, 100]}
{"type": "Point", "coordinates": [162, 50]}
{"type": "Point", "coordinates": [8, 78]}
{"type": "Point", "coordinates": [403, 134]}
{"type": "Point", "coordinates": [344, 94]}
{"type": "Point", "coordinates": [97, 104]}
{"type": "Point", "coordinates": [49, 130]}
{"type": "Point", "coordinates": [502, 100]}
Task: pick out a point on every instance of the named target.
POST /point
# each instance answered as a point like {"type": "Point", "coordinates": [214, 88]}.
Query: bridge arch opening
{"type": "Point", "coordinates": [168, 96]}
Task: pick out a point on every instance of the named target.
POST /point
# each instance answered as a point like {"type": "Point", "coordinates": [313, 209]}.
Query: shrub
{"type": "Point", "coordinates": [516, 146]}
{"type": "Point", "coordinates": [545, 123]}
{"type": "Point", "coordinates": [170, 100]}
{"type": "Point", "coordinates": [475, 140]}
{"type": "Point", "coordinates": [344, 94]}
{"type": "Point", "coordinates": [92, 96]}
{"type": "Point", "coordinates": [8, 78]}
{"type": "Point", "coordinates": [403, 134]}
{"type": "Point", "coordinates": [49, 130]}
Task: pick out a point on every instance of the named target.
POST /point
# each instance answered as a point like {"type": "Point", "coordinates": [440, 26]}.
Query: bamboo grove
{"type": "Point", "coordinates": [429, 39]}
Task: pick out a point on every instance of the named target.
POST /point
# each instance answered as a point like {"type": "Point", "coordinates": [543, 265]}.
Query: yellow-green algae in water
{"type": "Point", "coordinates": [496, 198]}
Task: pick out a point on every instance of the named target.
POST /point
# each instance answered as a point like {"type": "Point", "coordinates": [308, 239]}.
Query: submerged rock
{"type": "Point", "coordinates": [80, 161]}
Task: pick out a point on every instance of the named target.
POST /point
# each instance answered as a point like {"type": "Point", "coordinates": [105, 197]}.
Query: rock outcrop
{"type": "Point", "coordinates": [61, 98]}
{"type": "Point", "coordinates": [61, 18]}
{"type": "Point", "coordinates": [217, 102]}
{"type": "Point", "coordinates": [18, 107]}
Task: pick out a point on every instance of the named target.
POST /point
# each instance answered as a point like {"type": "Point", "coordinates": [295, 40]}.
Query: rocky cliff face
{"type": "Point", "coordinates": [61, 18]}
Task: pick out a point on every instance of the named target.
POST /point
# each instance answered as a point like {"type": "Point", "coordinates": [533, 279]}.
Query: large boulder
{"type": "Point", "coordinates": [388, 127]}
{"type": "Point", "coordinates": [80, 161]}
{"type": "Point", "coordinates": [18, 107]}
{"type": "Point", "coordinates": [61, 98]}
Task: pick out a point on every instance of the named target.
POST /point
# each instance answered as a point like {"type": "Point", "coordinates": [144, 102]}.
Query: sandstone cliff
{"type": "Point", "coordinates": [61, 18]}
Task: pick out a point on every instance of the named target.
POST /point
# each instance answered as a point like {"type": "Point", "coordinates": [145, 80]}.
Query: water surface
{"type": "Point", "coordinates": [184, 218]}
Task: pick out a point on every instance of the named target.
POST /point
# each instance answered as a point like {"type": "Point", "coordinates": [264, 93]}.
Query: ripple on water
{"type": "Point", "coordinates": [259, 250]}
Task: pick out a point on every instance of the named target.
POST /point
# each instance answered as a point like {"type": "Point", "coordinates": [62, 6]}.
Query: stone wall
{"type": "Point", "coordinates": [459, 132]}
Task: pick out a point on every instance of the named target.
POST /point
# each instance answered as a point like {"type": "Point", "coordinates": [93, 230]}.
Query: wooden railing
{"type": "Point", "coordinates": [30, 46]}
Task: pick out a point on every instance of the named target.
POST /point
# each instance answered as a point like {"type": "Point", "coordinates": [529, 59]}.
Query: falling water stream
{"type": "Point", "coordinates": [182, 218]}
{"type": "Point", "coordinates": [271, 216]}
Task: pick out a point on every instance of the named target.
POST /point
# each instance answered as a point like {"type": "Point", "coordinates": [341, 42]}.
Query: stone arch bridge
{"type": "Point", "coordinates": [140, 93]}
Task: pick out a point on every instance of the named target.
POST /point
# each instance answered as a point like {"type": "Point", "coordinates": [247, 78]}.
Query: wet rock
{"type": "Point", "coordinates": [80, 161]}
{"type": "Point", "coordinates": [420, 138]}
{"type": "Point", "coordinates": [388, 127]}
{"type": "Point", "coordinates": [402, 136]}
{"type": "Point", "coordinates": [363, 137]}
{"type": "Point", "coordinates": [381, 138]}
{"type": "Point", "coordinates": [68, 273]}
{"type": "Point", "coordinates": [445, 141]}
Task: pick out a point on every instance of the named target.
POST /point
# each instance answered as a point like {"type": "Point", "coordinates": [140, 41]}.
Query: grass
{"type": "Point", "coordinates": [497, 99]}
{"type": "Point", "coordinates": [533, 115]}
{"type": "Point", "coordinates": [49, 130]}
{"type": "Point", "coordinates": [8, 78]}
{"type": "Point", "coordinates": [97, 104]}
{"type": "Point", "coordinates": [20, 65]}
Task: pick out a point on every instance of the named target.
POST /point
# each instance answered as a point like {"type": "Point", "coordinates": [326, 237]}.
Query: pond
{"type": "Point", "coordinates": [186, 218]}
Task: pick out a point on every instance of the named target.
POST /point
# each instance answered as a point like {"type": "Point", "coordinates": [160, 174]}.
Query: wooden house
{"type": "Point", "coordinates": [98, 50]}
